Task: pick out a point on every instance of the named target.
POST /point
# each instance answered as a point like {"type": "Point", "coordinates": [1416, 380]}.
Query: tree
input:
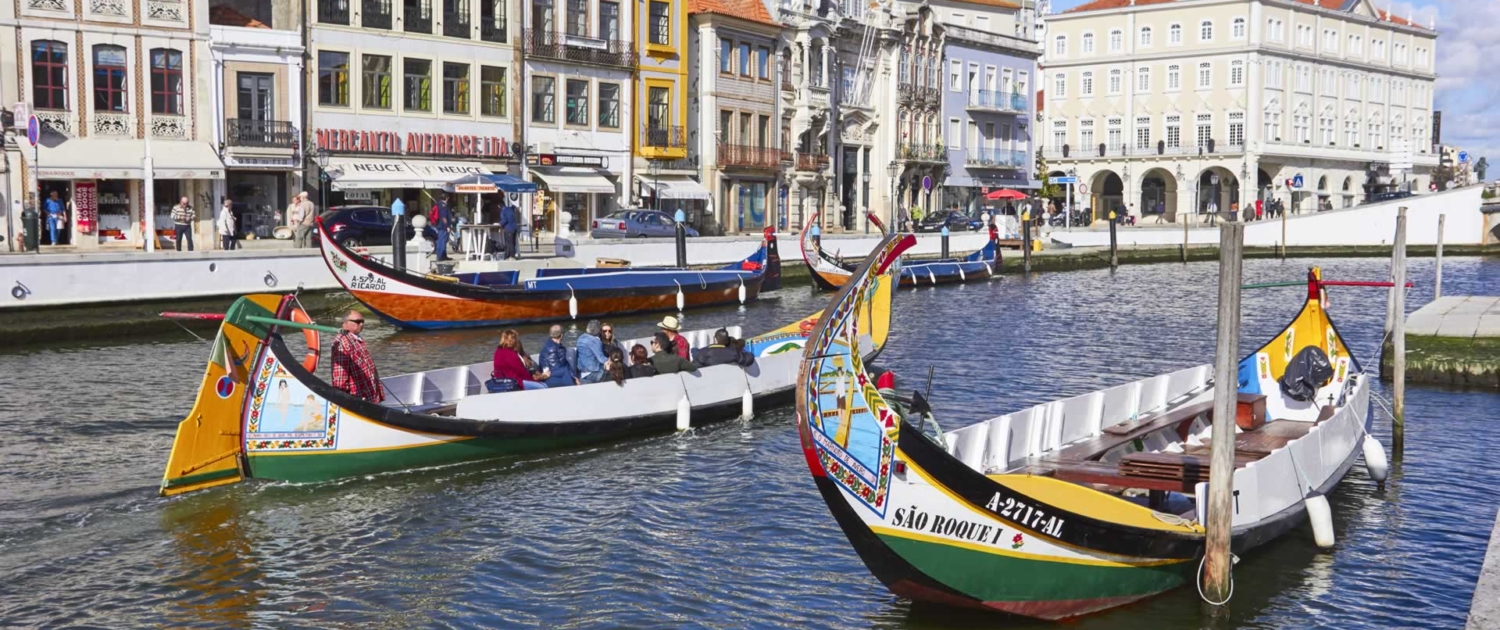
{"type": "Point", "coordinates": [1442, 176]}
{"type": "Point", "coordinates": [1048, 189]}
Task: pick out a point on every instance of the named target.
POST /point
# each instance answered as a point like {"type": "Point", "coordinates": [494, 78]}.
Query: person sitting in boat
{"type": "Point", "coordinates": [725, 350]}
{"type": "Point", "coordinates": [670, 327]}
{"type": "Point", "coordinates": [640, 363]}
{"type": "Point", "coordinates": [614, 367]}
{"type": "Point", "coordinates": [554, 359]}
{"type": "Point", "coordinates": [591, 357]}
{"type": "Point", "coordinates": [353, 368]}
{"type": "Point", "coordinates": [513, 369]}
{"type": "Point", "coordinates": [665, 360]}
{"type": "Point", "coordinates": [607, 339]}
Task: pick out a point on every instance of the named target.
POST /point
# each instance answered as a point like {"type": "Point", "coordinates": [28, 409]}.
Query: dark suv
{"type": "Point", "coordinates": [356, 226]}
{"type": "Point", "coordinates": [956, 221]}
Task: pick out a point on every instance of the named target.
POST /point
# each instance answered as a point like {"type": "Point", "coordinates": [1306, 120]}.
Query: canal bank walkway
{"type": "Point", "coordinates": [1484, 613]}
{"type": "Point", "coordinates": [1455, 341]}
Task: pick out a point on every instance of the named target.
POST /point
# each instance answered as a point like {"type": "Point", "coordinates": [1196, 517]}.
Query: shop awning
{"type": "Point", "coordinates": [88, 158]}
{"type": "Point", "coordinates": [575, 180]}
{"type": "Point", "coordinates": [675, 187]}
{"type": "Point", "coordinates": [435, 174]}
{"type": "Point", "coordinates": [353, 173]}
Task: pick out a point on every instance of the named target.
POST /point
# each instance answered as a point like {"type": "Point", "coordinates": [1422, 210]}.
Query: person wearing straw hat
{"type": "Point", "coordinates": [671, 327]}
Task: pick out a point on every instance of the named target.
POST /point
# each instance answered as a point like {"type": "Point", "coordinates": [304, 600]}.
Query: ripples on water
{"type": "Point", "coordinates": [719, 527]}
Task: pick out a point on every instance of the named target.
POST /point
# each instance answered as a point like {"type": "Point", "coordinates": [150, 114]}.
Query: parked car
{"type": "Point", "coordinates": [636, 224]}
{"type": "Point", "coordinates": [357, 226]}
{"type": "Point", "coordinates": [956, 221]}
{"type": "Point", "coordinates": [1387, 196]}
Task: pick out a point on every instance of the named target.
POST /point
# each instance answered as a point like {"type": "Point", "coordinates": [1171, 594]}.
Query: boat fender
{"type": "Point", "coordinates": [742, 290]}
{"type": "Point", "coordinates": [1321, 516]}
{"type": "Point", "coordinates": [681, 301]}
{"type": "Point", "coordinates": [1375, 462]}
{"type": "Point", "coordinates": [990, 271]}
{"type": "Point", "coordinates": [931, 276]}
{"type": "Point", "coordinates": [747, 406]}
{"type": "Point", "coordinates": [310, 360]}
{"type": "Point", "coordinates": [684, 414]}
{"type": "Point", "coordinates": [572, 303]}
{"type": "Point", "coordinates": [961, 277]}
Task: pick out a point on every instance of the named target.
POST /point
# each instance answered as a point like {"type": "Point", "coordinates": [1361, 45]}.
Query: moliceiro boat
{"type": "Point", "coordinates": [263, 411]}
{"type": "Point", "coordinates": [829, 272]}
{"type": "Point", "coordinates": [1080, 504]}
{"type": "Point", "coordinates": [532, 291]}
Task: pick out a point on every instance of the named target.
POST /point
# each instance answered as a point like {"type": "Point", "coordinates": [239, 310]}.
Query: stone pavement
{"type": "Point", "coordinates": [1464, 316]}
{"type": "Point", "coordinates": [1484, 613]}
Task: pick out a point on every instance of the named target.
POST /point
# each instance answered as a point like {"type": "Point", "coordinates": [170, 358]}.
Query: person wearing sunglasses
{"type": "Point", "coordinates": [353, 367]}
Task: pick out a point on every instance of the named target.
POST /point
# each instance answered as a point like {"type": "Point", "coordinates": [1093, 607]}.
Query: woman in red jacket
{"type": "Point", "coordinates": [513, 368]}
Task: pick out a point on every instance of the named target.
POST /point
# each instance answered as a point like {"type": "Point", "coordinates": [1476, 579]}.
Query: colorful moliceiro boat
{"type": "Point", "coordinates": [830, 273]}
{"type": "Point", "coordinates": [1080, 504]}
{"type": "Point", "coordinates": [533, 293]}
{"type": "Point", "coordinates": [262, 410]}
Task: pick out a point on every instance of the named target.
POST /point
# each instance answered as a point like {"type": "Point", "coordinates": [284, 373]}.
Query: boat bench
{"type": "Point", "coordinates": [1250, 412]}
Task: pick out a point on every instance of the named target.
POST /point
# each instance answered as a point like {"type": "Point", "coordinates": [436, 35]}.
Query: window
{"type": "Point", "coordinates": [1060, 85]}
{"type": "Point", "coordinates": [1021, 80]}
{"type": "Point", "coordinates": [543, 99]}
{"type": "Point", "coordinates": [1304, 79]}
{"type": "Point", "coordinates": [492, 91]}
{"type": "Point", "coordinates": [1304, 35]}
{"type": "Point", "coordinates": [1143, 80]}
{"type": "Point", "coordinates": [255, 96]}
{"type": "Point", "coordinates": [1205, 75]}
{"type": "Point", "coordinates": [1237, 28]}
{"type": "Point", "coordinates": [1274, 30]}
{"type": "Point", "coordinates": [763, 62]}
{"type": "Point", "coordinates": [166, 81]}
{"type": "Point", "coordinates": [578, 17]}
{"type": "Point", "coordinates": [955, 75]}
{"type": "Point", "coordinates": [1174, 34]}
{"type": "Point", "coordinates": [1273, 122]}
{"type": "Point", "coordinates": [609, 105]}
{"type": "Point", "coordinates": [726, 56]}
{"type": "Point", "coordinates": [1086, 133]}
{"type": "Point", "coordinates": [1116, 133]}
{"type": "Point", "coordinates": [1206, 31]}
{"type": "Point", "coordinates": [416, 75]}
{"type": "Point", "coordinates": [657, 114]}
{"type": "Point", "coordinates": [763, 132]}
{"type": "Point", "coordinates": [1236, 129]}
{"type": "Point", "coordinates": [49, 71]}
{"type": "Point", "coordinates": [725, 128]}
{"type": "Point", "coordinates": [609, 21]}
{"type": "Point", "coordinates": [1087, 87]}
{"type": "Point", "coordinates": [1145, 39]}
{"type": "Point", "coordinates": [1356, 45]}
{"type": "Point", "coordinates": [1351, 128]}
{"type": "Point", "coordinates": [1205, 129]}
{"type": "Point", "coordinates": [455, 88]}
{"type": "Point", "coordinates": [1115, 79]}
{"type": "Point", "coordinates": [1325, 125]}
{"type": "Point", "coordinates": [904, 69]}
{"type": "Point", "coordinates": [959, 19]}
{"type": "Point", "coordinates": [1088, 43]}
{"type": "Point", "coordinates": [1143, 132]}
{"type": "Point", "coordinates": [1116, 40]}
{"type": "Point", "coordinates": [1330, 41]}
{"type": "Point", "coordinates": [576, 105]}
{"type": "Point", "coordinates": [1059, 133]}
{"type": "Point", "coordinates": [376, 82]}
{"type": "Point", "coordinates": [745, 68]}
{"type": "Point", "coordinates": [1377, 49]}
{"type": "Point", "coordinates": [955, 132]}
{"type": "Point", "coordinates": [1174, 77]}
{"type": "Point", "coordinates": [333, 78]}
{"type": "Point", "coordinates": [1236, 73]}
{"type": "Point", "coordinates": [1060, 45]}
{"type": "Point", "coordinates": [109, 78]}
{"type": "Point", "coordinates": [982, 23]}
{"type": "Point", "coordinates": [661, 23]}
{"type": "Point", "coordinates": [1174, 132]}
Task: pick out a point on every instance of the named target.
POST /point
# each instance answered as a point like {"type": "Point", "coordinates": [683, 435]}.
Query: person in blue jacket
{"type": "Point", "coordinates": [554, 358]}
{"type": "Point", "coordinates": [510, 227]}
{"type": "Point", "coordinates": [591, 357]}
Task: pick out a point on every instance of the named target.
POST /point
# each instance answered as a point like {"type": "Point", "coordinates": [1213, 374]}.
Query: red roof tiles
{"type": "Point", "coordinates": [750, 10]}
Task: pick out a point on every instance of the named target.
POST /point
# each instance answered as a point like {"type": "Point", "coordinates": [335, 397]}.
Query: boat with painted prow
{"type": "Point", "coordinates": [262, 410]}
{"type": "Point", "coordinates": [531, 292]}
{"type": "Point", "coordinates": [1085, 503]}
{"type": "Point", "coordinates": [829, 272]}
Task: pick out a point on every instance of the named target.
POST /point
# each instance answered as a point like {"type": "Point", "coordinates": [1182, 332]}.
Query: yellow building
{"type": "Point", "coordinates": [666, 173]}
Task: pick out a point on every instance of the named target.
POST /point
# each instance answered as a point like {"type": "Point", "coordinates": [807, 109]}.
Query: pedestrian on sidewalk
{"type": "Point", "coordinates": [301, 215]}
{"type": "Point", "coordinates": [226, 226]}
{"type": "Point", "coordinates": [510, 228]}
{"type": "Point", "coordinates": [182, 222]}
{"type": "Point", "coordinates": [57, 216]}
{"type": "Point", "coordinates": [442, 217]}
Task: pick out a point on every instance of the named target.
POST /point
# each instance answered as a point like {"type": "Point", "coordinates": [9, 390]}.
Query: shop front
{"type": "Point", "coordinates": [257, 187]}
{"type": "Point", "coordinates": [670, 193]}
{"type": "Point", "coordinates": [573, 190]}
{"type": "Point", "coordinates": [378, 167]}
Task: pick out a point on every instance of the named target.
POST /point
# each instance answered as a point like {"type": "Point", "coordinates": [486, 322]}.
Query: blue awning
{"type": "Point", "coordinates": [489, 183]}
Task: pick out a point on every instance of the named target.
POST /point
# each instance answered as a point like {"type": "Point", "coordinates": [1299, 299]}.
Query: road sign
{"type": "Point", "coordinates": [1463, 156]}
{"type": "Point", "coordinates": [1064, 180]}
{"type": "Point", "coordinates": [1083, 189]}
{"type": "Point", "coordinates": [926, 182]}
{"type": "Point", "coordinates": [1297, 182]}
{"type": "Point", "coordinates": [33, 130]}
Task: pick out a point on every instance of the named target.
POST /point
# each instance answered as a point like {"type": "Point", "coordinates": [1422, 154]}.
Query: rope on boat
{"type": "Point", "coordinates": [1199, 581]}
{"type": "Point", "coordinates": [189, 330]}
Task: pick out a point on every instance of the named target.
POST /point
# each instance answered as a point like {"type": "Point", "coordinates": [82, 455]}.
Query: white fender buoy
{"type": "Point", "coordinates": [1321, 517]}
{"type": "Point", "coordinates": [742, 290]}
{"type": "Point", "coordinates": [680, 300]}
{"type": "Point", "coordinates": [1375, 462]}
{"type": "Point", "coordinates": [684, 414]}
{"type": "Point", "coordinates": [988, 269]}
{"type": "Point", "coordinates": [961, 277]}
{"type": "Point", "coordinates": [747, 406]}
{"type": "Point", "coordinates": [931, 276]}
{"type": "Point", "coordinates": [572, 303]}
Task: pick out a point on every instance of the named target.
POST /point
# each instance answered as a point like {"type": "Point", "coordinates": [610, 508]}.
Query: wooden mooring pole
{"type": "Point", "coordinates": [1398, 339]}
{"type": "Point", "coordinates": [1437, 280]}
{"type": "Point", "coordinates": [1114, 243]}
{"type": "Point", "coordinates": [1026, 241]}
{"type": "Point", "coordinates": [1283, 234]}
{"type": "Point", "coordinates": [1217, 560]}
{"type": "Point", "coordinates": [1184, 237]}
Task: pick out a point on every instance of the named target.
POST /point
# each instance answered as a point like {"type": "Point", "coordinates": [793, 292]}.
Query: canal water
{"type": "Point", "coordinates": [719, 527]}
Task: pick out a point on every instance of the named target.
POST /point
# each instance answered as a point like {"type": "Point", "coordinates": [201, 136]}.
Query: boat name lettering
{"type": "Point", "coordinates": [919, 521]}
{"type": "Point", "coordinates": [1021, 513]}
{"type": "Point", "coordinates": [367, 282]}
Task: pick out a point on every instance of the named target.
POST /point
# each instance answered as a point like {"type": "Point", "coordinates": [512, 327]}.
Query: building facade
{"type": "Point", "coordinates": [666, 170]}
{"type": "Point", "coordinates": [732, 112]}
{"type": "Point", "coordinates": [988, 107]}
{"type": "Point", "coordinates": [406, 96]}
{"type": "Point", "coordinates": [121, 91]}
{"type": "Point", "coordinates": [1201, 105]}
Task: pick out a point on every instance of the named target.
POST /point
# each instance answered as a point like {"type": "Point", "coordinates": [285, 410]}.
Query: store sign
{"type": "Point", "coordinates": [553, 159]}
{"type": "Point", "coordinates": [86, 206]}
{"type": "Point", "coordinates": [412, 143]}
{"type": "Point", "coordinates": [358, 195]}
{"type": "Point", "coordinates": [233, 161]}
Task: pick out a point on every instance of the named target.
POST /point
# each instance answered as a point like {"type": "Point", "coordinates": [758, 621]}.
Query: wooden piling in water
{"type": "Point", "coordinates": [1398, 339]}
{"type": "Point", "coordinates": [1114, 244]}
{"type": "Point", "coordinates": [1217, 559]}
{"type": "Point", "coordinates": [1437, 280]}
{"type": "Point", "coordinates": [1026, 240]}
{"type": "Point", "coordinates": [1184, 236]}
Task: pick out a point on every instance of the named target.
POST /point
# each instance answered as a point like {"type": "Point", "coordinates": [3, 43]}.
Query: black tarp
{"type": "Point", "coordinates": [1305, 373]}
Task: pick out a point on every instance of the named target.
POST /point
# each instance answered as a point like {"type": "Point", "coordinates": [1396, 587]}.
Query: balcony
{"type": "Point", "coordinates": [922, 152]}
{"type": "Point", "coordinates": [995, 158]}
{"type": "Point", "coordinates": [333, 12]}
{"type": "Point", "coordinates": [811, 161]}
{"type": "Point", "coordinates": [269, 134]}
{"type": "Point", "coordinates": [993, 101]}
{"type": "Point", "coordinates": [418, 19]}
{"type": "Point", "coordinates": [492, 29]}
{"type": "Point", "coordinates": [746, 156]}
{"type": "Point", "coordinates": [1158, 148]}
{"type": "Point", "coordinates": [457, 25]}
{"type": "Point", "coordinates": [583, 50]}
{"type": "Point", "coordinates": [663, 137]}
{"type": "Point", "coordinates": [376, 14]}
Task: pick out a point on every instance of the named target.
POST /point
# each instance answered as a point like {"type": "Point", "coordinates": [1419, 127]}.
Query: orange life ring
{"type": "Point", "coordinates": [314, 346]}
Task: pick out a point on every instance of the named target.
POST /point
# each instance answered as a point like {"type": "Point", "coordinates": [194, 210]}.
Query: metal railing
{"type": "Point", "coordinates": [921, 152]}
{"type": "Point", "coordinates": [811, 161]}
{"type": "Point", "coordinates": [417, 19]}
{"type": "Point", "coordinates": [994, 158]}
{"type": "Point", "coordinates": [663, 137]}
{"type": "Point", "coordinates": [562, 47]}
{"type": "Point", "coordinates": [376, 14]}
{"type": "Point", "coordinates": [456, 24]}
{"type": "Point", "coordinates": [997, 101]}
{"type": "Point", "coordinates": [747, 156]}
{"type": "Point", "coordinates": [333, 11]}
{"type": "Point", "coordinates": [1160, 147]}
{"type": "Point", "coordinates": [249, 132]}
{"type": "Point", "coordinates": [492, 29]}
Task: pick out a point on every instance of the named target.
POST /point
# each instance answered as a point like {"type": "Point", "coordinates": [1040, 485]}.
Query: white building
{"type": "Point", "coordinates": [1179, 106]}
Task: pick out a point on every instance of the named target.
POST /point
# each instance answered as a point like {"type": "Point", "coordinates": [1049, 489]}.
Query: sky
{"type": "Point", "coordinates": [1467, 46]}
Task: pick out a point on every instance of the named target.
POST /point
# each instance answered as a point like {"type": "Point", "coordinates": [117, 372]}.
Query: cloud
{"type": "Point", "coordinates": [1466, 89]}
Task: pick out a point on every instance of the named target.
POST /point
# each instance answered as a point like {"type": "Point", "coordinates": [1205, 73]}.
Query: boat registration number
{"type": "Point", "coordinates": [1025, 515]}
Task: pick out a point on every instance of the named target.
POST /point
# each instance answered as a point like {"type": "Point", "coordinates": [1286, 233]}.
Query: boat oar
{"type": "Point", "coordinates": [272, 321]}
{"type": "Point", "coordinates": [1326, 283]}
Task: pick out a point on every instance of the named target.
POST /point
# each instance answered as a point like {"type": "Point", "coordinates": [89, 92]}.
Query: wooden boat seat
{"type": "Point", "coordinates": [1101, 474]}
{"type": "Point", "coordinates": [1123, 433]}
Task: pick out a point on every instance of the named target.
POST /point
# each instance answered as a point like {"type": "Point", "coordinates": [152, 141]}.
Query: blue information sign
{"type": "Point", "coordinates": [1297, 182]}
{"type": "Point", "coordinates": [1463, 156]}
{"type": "Point", "coordinates": [926, 182]}
{"type": "Point", "coordinates": [1064, 180]}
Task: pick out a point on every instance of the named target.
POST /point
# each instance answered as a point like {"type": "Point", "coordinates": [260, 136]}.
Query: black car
{"type": "Point", "coordinates": [356, 226]}
{"type": "Point", "coordinates": [956, 221]}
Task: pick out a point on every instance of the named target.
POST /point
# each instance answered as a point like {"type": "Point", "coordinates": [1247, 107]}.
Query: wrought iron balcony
{"type": "Point", "coordinates": [333, 11]}
{"type": "Point", "coordinates": [922, 152]}
{"type": "Point", "coordinates": [583, 50]}
{"type": "Point", "coordinates": [492, 29]}
{"type": "Point", "coordinates": [990, 100]}
{"type": "Point", "coordinates": [376, 14]}
{"type": "Point", "coordinates": [811, 161]}
{"type": "Point", "coordinates": [457, 25]}
{"type": "Point", "coordinates": [663, 137]}
{"type": "Point", "coordinates": [418, 19]}
{"type": "Point", "coordinates": [248, 132]}
{"type": "Point", "coordinates": [994, 158]}
{"type": "Point", "coordinates": [746, 156]}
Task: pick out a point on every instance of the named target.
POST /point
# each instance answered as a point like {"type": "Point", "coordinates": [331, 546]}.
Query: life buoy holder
{"type": "Point", "coordinates": [314, 345]}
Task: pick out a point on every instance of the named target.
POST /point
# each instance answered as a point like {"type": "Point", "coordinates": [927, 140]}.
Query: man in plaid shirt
{"type": "Point", "coordinates": [353, 368]}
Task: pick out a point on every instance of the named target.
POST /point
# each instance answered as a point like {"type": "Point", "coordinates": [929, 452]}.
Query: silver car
{"type": "Point", "coordinates": [636, 224]}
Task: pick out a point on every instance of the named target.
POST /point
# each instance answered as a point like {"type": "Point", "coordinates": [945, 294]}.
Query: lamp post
{"type": "Point", "coordinates": [1180, 175]}
{"type": "Point", "coordinates": [1068, 212]}
{"type": "Point", "coordinates": [891, 170]}
{"type": "Point", "coordinates": [321, 156]}
{"type": "Point", "coordinates": [865, 195]}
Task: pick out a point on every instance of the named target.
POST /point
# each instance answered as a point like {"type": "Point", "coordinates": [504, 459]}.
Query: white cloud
{"type": "Point", "coordinates": [1467, 88]}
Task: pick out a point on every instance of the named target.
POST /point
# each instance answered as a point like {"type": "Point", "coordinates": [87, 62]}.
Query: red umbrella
{"type": "Point", "coordinates": [1005, 193]}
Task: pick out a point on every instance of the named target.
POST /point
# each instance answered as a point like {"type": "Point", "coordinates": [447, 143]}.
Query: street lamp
{"type": "Point", "coordinates": [321, 156]}
{"type": "Point", "coordinates": [866, 197]}
{"type": "Point", "coordinates": [891, 169]}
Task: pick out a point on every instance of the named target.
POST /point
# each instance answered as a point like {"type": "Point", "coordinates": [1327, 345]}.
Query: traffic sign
{"type": "Point", "coordinates": [33, 130]}
{"type": "Point", "coordinates": [926, 183]}
{"type": "Point", "coordinates": [1083, 189]}
{"type": "Point", "coordinates": [1065, 180]}
{"type": "Point", "coordinates": [1463, 156]}
{"type": "Point", "coordinates": [1297, 182]}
